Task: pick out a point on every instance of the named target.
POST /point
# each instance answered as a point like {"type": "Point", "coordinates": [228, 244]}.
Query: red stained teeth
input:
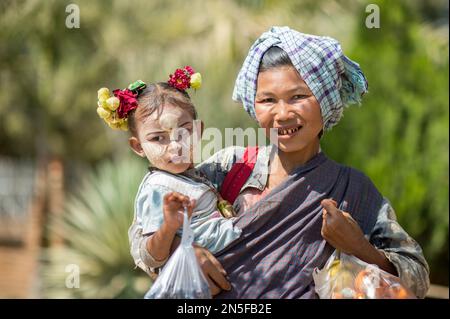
{"type": "Point", "coordinates": [288, 131]}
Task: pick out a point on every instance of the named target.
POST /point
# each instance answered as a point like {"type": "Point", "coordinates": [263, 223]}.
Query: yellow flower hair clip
{"type": "Point", "coordinates": [114, 109]}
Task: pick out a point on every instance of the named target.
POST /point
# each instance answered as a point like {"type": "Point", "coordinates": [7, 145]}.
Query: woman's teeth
{"type": "Point", "coordinates": [288, 131]}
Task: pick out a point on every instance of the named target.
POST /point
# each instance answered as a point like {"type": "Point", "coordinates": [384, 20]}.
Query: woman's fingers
{"type": "Point", "coordinates": [330, 206]}
{"type": "Point", "coordinates": [211, 270]}
{"type": "Point", "coordinates": [215, 262]}
{"type": "Point", "coordinates": [213, 287]}
{"type": "Point", "coordinates": [349, 218]}
{"type": "Point", "coordinates": [218, 277]}
{"type": "Point", "coordinates": [324, 217]}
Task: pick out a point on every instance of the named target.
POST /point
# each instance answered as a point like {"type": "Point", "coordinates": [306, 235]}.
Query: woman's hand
{"type": "Point", "coordinates": [213, 270]}
{"type": "Point", "coordinates": [173, 209]}
{"type": "Point", "coordinates": [342, 232]}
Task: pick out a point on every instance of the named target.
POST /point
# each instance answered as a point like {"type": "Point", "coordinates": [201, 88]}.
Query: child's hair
{"type": "Point", "coordinates": [153, 98]}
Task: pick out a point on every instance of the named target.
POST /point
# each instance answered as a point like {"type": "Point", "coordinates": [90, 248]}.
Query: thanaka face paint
{"type": "Point", "coordinates": [164, 143]}
{"type": "Point", "coordinates": [178, 150]}
{"type": "Point", "coordinates": [154, 152]}
{"type": "Point", "coordinates": [168, 120]}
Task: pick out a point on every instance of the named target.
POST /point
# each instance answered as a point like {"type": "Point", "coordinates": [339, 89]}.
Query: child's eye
{"type": "Point", "coordinates": [188, 126]}
{"type": "Point", "coordinates": [156, 139]}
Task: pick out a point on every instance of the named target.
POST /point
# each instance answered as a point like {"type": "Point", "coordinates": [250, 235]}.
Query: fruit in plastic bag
{"type": "Point", "coordinates": [347, 277]}
{"type": "Point", "coordinates": [181, 277]}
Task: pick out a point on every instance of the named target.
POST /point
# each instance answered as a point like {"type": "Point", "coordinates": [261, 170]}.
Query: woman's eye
{"type": "Point", "coordinates": [268, 100]}
{"type": "Point", "coordinates": [299, 97]}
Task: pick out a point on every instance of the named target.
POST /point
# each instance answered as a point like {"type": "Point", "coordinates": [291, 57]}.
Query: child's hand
{"type": "Point", "coordinates": [340, 230]}
{"type": "Point", "coordinates": [173, 208]}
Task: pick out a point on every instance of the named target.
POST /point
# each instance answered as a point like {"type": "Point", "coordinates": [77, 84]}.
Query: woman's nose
{"type": "Point", "coordinates": [282, 111]}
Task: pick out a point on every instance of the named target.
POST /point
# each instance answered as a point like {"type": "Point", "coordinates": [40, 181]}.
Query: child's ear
{"type": "Point", "coordinates": [136, 146]}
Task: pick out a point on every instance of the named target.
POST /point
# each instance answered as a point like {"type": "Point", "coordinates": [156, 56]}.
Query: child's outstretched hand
{"type": "Point", "coordinates": [173, 209]}
{"type": "Point", "coordinates": [340, 230]}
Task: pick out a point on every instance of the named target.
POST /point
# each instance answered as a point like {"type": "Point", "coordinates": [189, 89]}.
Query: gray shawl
{"type": "Point", "coordinates": [281, 244]}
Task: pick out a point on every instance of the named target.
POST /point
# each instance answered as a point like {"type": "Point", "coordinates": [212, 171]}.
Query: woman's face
{"type": "Point", "coordinates": [284, 101]}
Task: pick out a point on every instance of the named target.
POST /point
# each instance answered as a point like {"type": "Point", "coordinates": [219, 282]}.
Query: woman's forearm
{"type": "Point", "coordinates": [160, 243]}
{"type": "Point", "coordinates": [371, 255]}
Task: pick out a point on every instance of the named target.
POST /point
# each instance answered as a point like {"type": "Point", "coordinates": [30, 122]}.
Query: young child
{"type": "Point", "coordinates": [160, 117]}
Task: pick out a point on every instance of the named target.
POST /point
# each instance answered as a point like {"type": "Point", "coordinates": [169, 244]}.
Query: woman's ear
{"type": "Point", "coordinates": [320, 134]}
{"type": "Point", "coordinates": [136, 146]}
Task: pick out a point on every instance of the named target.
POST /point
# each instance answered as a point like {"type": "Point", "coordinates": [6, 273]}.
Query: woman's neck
{"type": "Point", "coordinates": [285, 162]}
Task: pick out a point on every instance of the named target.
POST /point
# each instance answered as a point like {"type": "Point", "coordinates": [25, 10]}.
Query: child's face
{"type": "Point", "coordinates": [165, 139]}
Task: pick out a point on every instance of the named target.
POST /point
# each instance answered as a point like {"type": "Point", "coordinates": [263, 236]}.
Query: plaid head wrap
{"type": "Point", "coordinates": [334, 79]}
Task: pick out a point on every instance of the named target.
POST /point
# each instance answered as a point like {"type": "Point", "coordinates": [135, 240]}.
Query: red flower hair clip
{"type": "Point", "coordinates": [185, 78]}
{"type": "Point", "coordinates": [127, 102]}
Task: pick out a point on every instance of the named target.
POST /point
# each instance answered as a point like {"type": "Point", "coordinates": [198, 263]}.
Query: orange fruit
{"type": "Point", "coordinates": [359, 281]}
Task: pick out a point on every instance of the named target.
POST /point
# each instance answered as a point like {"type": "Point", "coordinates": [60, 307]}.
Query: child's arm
{"type": "Point", "coordinates": [159, 244]}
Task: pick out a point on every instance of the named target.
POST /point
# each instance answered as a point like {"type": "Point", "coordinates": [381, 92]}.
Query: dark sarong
{"type": "Point", "coordinates": [281, 242]}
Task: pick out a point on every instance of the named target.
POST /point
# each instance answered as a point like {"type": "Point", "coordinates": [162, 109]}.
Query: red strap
{"type": "Point", "coordinates": [239, 174]}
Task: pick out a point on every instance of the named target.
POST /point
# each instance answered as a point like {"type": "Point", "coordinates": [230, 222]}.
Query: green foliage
{"type": "Point", "coordinates": [95, 228]}
{"type": "Point", "coordinates": [50, 74]}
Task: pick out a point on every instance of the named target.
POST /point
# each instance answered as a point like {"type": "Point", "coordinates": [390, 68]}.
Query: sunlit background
{"type": "Point", "coordinates": [67, 181]}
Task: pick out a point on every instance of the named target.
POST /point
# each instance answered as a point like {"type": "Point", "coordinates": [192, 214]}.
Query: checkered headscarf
{"type": "Point", "coordinates": [334, 79]}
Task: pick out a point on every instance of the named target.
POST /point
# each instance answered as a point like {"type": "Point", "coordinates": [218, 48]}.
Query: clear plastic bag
{"type": "Point", "coordinates": [181, 277]}
{"type": "Point", "coordinates": [347, 277]}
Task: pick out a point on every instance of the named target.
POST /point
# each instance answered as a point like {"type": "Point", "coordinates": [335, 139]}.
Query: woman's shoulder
{"type": "Point", "coordinates": [353, 173]}
{"type": "Point", "coordinates": [358, 180]}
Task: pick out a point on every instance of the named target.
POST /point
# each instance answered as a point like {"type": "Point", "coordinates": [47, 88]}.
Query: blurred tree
{"type": "Point", "coordinates": [95, 228]}
{"type": "Point", "coordinates": [50, 73]}
{"type": "Point", "coordinates": [47, 74]}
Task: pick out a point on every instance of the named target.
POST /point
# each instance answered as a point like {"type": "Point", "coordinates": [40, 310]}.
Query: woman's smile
{"type": "Point", "coordinates": [288, 131]}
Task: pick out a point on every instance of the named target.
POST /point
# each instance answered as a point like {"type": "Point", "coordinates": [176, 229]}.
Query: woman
{"type": "Point", "coordinates": [297, 206]}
